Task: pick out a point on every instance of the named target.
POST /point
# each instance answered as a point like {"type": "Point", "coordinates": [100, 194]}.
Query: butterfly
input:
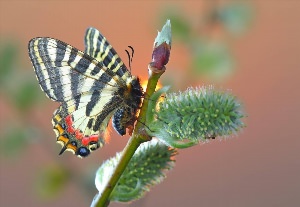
{"type": "Point", "coordinates": [92, 87]}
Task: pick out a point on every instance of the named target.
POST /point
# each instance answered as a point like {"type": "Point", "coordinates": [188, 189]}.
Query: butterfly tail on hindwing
{"type": "Point", "coordinates": [73, 139]}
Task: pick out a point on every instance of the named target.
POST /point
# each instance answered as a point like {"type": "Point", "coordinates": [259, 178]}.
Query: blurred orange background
{"type": "Point", "coordinates": [258, 167]}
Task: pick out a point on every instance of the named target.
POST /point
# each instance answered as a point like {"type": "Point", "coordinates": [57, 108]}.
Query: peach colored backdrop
{"type": "Point", "coordinates": [260, 167]}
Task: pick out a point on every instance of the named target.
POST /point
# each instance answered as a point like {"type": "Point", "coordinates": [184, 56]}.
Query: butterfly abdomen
{"type": "Point", "coordinates": [119, 121]}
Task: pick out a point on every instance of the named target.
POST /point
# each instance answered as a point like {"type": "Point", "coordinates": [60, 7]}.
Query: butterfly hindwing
{"type": "Point", "coordinates": [81, 134]}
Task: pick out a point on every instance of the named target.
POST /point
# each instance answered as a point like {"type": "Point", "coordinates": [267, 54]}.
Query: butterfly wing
{"type": "Point", "coordinates": [89, 92]}
{"type": "Point", "coordinates": [64, 72]}
{"type": "Point", "coordinates": [98, 47]}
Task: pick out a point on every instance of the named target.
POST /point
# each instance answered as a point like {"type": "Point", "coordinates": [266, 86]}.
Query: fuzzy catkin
{"type": "Point", "coordinates": [196, 115]}
{"type": "Point", "coordinates": [146, 168]}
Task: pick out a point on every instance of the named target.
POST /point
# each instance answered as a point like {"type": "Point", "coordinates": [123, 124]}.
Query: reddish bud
{"type": "Point", "coordinates": [162, 48]}
{"type": "Point", "coordinates": [160, 56]}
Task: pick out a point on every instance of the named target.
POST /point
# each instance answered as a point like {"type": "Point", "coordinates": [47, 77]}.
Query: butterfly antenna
{"type": "Point", "coordinates": [132, 52]}
{"type": "Point", "coordinates": [128, 59]}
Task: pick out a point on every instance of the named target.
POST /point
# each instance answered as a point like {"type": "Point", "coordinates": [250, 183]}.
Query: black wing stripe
{"type": "Point", "coordinates": [77, 101]}
{"type": "Point", "coordinates": [73, 54]}
{"type": "Point", "coordinates": [94, 100]}
{"type": "Point", "coordinates": [122, 71]}
{"type": "Point", "coordinates": [95, 71]}
{"type": "Point", "coordinates": [82, 65]}
{"type": "Point", "coordinates": [107, 109]}
{"type": "Point", "coordinates": [60, 54]}
{"type": "Point", "coordinates": [90, 123]}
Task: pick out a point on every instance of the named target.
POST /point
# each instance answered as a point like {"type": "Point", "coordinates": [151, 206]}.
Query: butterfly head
{"type": "Point", "coordinates": [136, 89]}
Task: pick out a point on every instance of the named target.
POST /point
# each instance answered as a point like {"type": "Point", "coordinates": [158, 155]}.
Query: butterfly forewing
{"type": "Point", "coordinates": [65, 72]}
{"type": "Point", "coordinates": [99, 48]}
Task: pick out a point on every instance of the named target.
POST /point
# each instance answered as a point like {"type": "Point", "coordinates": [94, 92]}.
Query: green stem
{"type": "Point", "coordinates": [152, 82]}
{"type": "Point", "coordinates": [139, 136]}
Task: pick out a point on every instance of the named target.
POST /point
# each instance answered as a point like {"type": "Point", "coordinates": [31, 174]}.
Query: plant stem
{"type": "Point", "coordinates": [138, 137]}
{"type": "Point", "coordinates": [160, 57]}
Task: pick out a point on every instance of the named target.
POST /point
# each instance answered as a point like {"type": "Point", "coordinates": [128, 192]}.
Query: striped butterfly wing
{"type": "Point", "coordinates": [99, 48]}
{"type": "Point", "coordinates": [87, 89]}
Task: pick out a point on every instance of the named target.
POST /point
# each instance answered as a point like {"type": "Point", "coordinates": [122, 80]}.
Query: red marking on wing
{"type": "Point", "coordinates": [94, 138]}
{"type": "Point", "coordinates": [69, 122]}
{"type": "Point", "coordinates": [78, 134]}
{"type": "Point", "coordinates": [85, 140]}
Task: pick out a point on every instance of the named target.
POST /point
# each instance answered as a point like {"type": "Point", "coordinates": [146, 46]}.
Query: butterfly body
{"type": "Point", "coordinates": [124, 117]}
{"type": "Point", "coordinates": [92, 86]}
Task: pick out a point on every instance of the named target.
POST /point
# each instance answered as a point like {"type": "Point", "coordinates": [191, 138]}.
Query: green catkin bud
{"type": "Point", "coordinates": [195, 115]}
{"type": "Point", "coordinates": [146, 168]}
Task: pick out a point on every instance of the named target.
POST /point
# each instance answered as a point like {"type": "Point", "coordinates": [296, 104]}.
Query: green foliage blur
{"type": "Point", "coordinates": [20, 94]}
{"type": "Point", "coordinates": [18, 90]}
{"type": "Point", "coordinates": [208, 37]}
